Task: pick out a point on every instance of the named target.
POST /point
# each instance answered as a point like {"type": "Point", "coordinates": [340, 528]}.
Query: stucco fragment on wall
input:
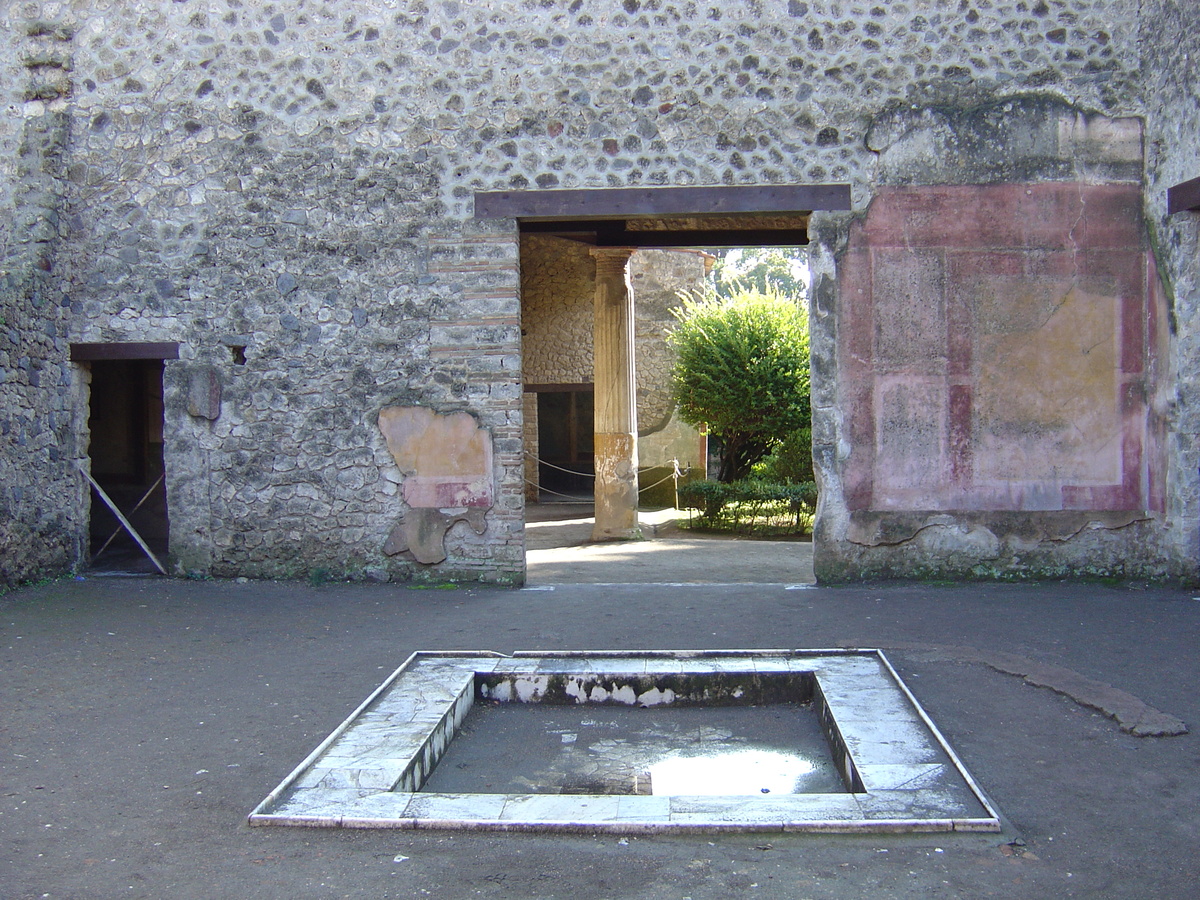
{"type": "Point", "coordinates": [446, 461]}
{"type": "Point", "coordinates": [422, 532]}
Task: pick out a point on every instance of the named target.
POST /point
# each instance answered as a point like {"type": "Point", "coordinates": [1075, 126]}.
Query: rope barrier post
{"type": "Point", "coordinates": [675, 476]}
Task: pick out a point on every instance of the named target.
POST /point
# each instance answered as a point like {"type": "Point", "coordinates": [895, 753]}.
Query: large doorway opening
{"type": "Point", "coordinates": [125, 423]}
{"type": "Point", "coordinates": [567, 238]}
{"type": "Point", "coordinates": [766, 542]}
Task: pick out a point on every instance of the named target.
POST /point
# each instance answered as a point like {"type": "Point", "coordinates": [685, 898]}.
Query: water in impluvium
{"type": "Point", "coordinates": [533, 748]}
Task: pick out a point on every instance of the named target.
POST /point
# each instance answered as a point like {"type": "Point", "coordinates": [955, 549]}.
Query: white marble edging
{"type": "Point", "coordinates": [364, 774]}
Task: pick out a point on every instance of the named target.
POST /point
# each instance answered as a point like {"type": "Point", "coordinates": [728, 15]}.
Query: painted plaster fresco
{"type": "Point", "coordinates": [998, 340]}
{"type": "Point", "coordinates": [447, 466]}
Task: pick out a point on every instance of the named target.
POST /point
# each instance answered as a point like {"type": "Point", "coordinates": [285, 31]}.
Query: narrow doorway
{"type": "Point", "coordinates": [566, 464]}
{"type": "Point", "coordinates": [126, 452]}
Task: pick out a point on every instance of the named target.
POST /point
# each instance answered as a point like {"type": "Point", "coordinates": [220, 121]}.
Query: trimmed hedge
{"type": "Point", "coordinates": [751, 505]}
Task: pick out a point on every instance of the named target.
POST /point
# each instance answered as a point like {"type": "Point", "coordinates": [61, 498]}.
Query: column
{"type": "Point", "coordinates": [616, 403]}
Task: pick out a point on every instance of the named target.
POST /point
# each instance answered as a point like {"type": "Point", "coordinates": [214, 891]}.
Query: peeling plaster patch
{"type": "Point", "coordinates": [446, 462]}
{"type": "Point", "coordinates": [1018, 531]}
{"type": "Point", "coordinates": [974, 542]}
{"type": "Point", "coordinates": [204, 394]}
{"type": "Point", "coordinates": [1032, 136]}
{"type": "Point", "coordinates": [1097, 139]}
{"type": "Point", "coordinates": [422, 532]}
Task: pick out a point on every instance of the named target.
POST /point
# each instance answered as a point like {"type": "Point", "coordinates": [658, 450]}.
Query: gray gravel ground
{"type": "Point", "coordinates": [142, 719]}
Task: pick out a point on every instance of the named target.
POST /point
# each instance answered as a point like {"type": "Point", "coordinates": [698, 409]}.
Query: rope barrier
{"type": "Point", "coordinates": [542, 462]}
{"type": "Point", "coordinates": [546, 490]}
{"type": "Point", "coordinates": [676, 474]}
{"type": "Point", "coordinates": [657, 483]}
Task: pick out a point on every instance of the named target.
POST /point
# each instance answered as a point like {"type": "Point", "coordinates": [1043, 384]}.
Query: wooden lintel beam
{"type": "Point", "coordinates": [1185, 196]}
{"type": "Point", "coordinates": [557, 388]}
{"type": "Point", "coordinates": [125, 350]}
{"type": "Point", "coordinates": [676, 201]}
{"type": "Point", "coordinates": [615, 234]}
{"type": "Point", "coordinates": [565, 229]}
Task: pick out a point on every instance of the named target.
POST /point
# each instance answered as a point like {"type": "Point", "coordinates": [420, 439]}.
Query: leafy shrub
{"type": "Point", "coordinates": [742, 369]}
{"type": "Point", "coordinates": [751, 506]}
{"type": "Point", "coordinates": [790, 462]}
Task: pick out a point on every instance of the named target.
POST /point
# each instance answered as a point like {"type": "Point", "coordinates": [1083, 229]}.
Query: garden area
{"type": "Point", "coordinates": [742, 373]}
{"type": "Point", "coordinates": [750, 507]}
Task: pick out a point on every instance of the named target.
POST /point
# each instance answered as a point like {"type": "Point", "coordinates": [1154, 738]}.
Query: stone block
{"type": "Point", "coordinates": [204, 394]}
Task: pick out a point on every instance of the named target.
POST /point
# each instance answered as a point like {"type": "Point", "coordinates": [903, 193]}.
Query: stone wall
{"type": "Point", "coordinates": [1173, 150]}
{"type": "Point", "coordinates": [292, 185]}
{"type": "Point", "coordinates": [236, 186]}
{"type": "Point", "coordinates": [659, 278]}
{"type": "Point", "coordinates": [41, 492]}
{"type": "Point", "coordinates": [558, 289]}
{"type": "Point", "coordinates": [13, 84]}
{"type": "Point", "coordinates": [519, 94]}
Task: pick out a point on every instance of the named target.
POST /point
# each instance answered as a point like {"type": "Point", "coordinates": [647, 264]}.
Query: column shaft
{"type": "Point", "coordinates": [616, 399]}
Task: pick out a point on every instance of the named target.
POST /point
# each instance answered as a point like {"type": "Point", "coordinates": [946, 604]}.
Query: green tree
{"type": "Point", "coordinates": [782, 270]}
{"type": "Point", "coordinates": [742, 369]}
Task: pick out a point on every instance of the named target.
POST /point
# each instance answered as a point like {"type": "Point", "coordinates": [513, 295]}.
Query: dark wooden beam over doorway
{"type": "Point", "coordinates": [616, 233]}
{"type": "Point", "coordinates": [621, 203]}
{"type": "Point", "coordinates": [722, 216]}
{"type": "Point", "coordinates": [124, 350]}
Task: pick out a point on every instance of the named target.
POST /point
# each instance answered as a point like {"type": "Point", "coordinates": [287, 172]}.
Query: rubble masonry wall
{"type": "Point", "coordinates": [297, 179]}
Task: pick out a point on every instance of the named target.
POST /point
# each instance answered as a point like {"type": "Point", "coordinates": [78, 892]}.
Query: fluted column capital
{"type": "Point", "coordinates": [611, 261]}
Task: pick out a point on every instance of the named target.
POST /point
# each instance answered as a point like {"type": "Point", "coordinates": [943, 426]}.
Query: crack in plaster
{"type": "Point", "coordinates": [947, 521]}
